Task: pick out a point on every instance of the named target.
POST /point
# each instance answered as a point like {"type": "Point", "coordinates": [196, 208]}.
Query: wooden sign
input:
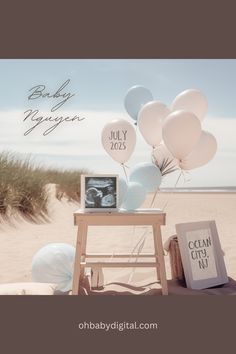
{"type": "Point", "coordinates": [201, 254]}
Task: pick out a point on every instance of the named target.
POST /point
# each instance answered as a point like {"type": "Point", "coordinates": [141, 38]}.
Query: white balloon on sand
{"type": "Point", "coordinates": [54, 263]}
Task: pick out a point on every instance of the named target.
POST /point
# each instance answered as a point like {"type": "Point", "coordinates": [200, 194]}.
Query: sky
{"type": "Point", "coordinates": [99, 88]}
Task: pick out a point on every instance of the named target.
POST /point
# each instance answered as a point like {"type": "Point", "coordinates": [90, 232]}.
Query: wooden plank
{"type": "Point", "coordinates": [120, 255]}
{"type": "Point", "coordinates": [120, 264]}
{"type": "Point", "coordinates": [119, 219]}
{"type": "Point", "coordinates": [150, 211]}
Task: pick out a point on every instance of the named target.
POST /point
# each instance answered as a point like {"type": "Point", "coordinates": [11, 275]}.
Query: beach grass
{"type": "Point", "coordinates": [67, 183]}
{"type": "Point", "coordinates": [23, 186]}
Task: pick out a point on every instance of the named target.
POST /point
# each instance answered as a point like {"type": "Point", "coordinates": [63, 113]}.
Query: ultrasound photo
{"type": "Point", "coordinates": [101, 192]}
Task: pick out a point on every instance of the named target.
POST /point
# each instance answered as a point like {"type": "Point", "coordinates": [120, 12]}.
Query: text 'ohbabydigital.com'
{"type": "Point", "coordinates": [117, 326]}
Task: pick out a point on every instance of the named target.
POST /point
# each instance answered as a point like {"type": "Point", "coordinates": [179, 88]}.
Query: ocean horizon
{"type": "Point", "coordinates": [104, 164]}
{"type": "Point", "coordinates": [216, 189]}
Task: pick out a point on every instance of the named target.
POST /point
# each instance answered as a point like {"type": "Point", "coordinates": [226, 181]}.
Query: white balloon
{"type": "Point", "coordinates": [181, 132]}
{"type": "Point", "coordinates": [193, 101]}
{"type": "Point", "coordinates": [162, 154]}
{"type": "Point", "coordinates": [203, 152]}
{"type": "Point", "coordinates": [150, 121]}
{"type": "Point", "coordinates": [119, 139]}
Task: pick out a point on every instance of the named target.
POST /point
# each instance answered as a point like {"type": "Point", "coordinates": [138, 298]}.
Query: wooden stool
{"type": "Point", "coordinates": [82, 219]}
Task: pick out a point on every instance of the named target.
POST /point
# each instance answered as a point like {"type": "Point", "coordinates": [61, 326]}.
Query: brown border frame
{"type": "Point", "coordinates": [117, 29]}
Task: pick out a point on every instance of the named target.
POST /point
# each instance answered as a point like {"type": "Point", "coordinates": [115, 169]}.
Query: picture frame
{"type": "Point", "coordinates": [99, 193]}
{"type": "Point", "coordinates": [201, 254]}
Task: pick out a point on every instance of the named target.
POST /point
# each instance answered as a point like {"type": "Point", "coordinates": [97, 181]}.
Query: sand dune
{"type": "Point", "coordinates": [20, 240]}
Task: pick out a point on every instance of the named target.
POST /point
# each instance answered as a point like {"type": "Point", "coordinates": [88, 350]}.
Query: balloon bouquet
{"type": "Point", "coordinates": [175, 135]}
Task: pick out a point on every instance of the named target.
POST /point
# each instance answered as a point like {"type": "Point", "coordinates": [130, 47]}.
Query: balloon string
{"type": "Point", "coordinates": [156, 192]}
{"type": "Point", "coordinates": [154, 198]}
{"type": "Point", "coordinates": [126, 177]}
{"type": "Point", "coordinates": [181, 174]}
{"type": "Point", "coordinates": [139, 246]}
{"type": "Point", "coordinates": [154, 160]}
{"type": "Point", "coordinates": [153, 148]}
{"type": "Point", "coordinates": [177, 181]}
{"type": "Point", "coordinates": [187, 176]}
{"type": "Point", "coordinates": [124, 169]}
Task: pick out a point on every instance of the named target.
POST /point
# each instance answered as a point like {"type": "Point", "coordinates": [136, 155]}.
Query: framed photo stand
{"type": "Point", "coordinates": [201, 254]}
{"type": "Point", "coordinates": [99, 193]}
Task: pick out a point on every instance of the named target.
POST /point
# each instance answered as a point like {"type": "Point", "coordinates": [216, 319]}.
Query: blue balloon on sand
{"type": "Point", "coordinates": [148, 175]}
{"type": "Point", "coordinates": [135, 99]}
{"type": "Point", "coordinates": [54, 263]}
{"type": "Point", "coordinates": [135, 196]}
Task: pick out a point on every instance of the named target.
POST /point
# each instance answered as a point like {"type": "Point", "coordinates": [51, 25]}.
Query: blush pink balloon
{"type": "Point", "coordinates": [150, 120]}
{"type": "Point", "coordinates": [191, 100]}
{"type": "Point", "coordinates": [202, 153]}
{"type": "Point", "coordinates": [181, 132]}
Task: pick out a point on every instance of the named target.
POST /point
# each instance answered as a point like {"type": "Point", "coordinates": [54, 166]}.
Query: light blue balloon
{"type": "Point", "coordinates": [54, 263]}
{"type": "Point", "coordinates": [122, 190]}
{"type": "Point", "coordinates": [136, 97]}
{"type": "Point", "coordinates": [135, 196]}
{"type": "Point", "coordinates": [148, 175]}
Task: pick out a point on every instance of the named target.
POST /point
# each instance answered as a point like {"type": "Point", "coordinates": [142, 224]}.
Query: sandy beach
{"type": "Point", "coordinates": [20, 240]}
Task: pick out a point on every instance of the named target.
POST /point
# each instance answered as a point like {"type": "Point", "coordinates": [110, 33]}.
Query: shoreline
{"type": "Point", "coordinates": [199, 190]}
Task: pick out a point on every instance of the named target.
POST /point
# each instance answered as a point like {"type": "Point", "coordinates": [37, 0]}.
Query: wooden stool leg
{"type": "Point", "coordinates": [78, 254]}
{"type": "Point", "coordinates": [83, 250]}
{"type": "Point", "coordinates": [161, 270]}
{"type": "Point", "coordinates": [156, 256]}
